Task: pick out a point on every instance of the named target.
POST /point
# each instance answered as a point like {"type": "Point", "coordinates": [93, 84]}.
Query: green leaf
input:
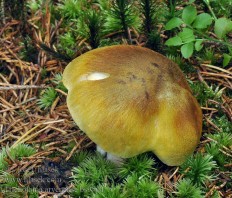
{"type": "Point", "coordinates": [173, 23]}
{"type": "Point", "coordinates": [198, 44]}
{"type": "Point", "coordinates": [222, 27]}
{"type": "Point", "coordinates": [187, 35]}
{"type": "Point", "coordinates": [189, 14]}
{"type": "Point", "coordinates": [174, 41]}
{"type": "Point", "coordinates": [202, 21]}
{"type": "Point", "coordinates": [191, 1]}
{"type": "Point", "coordinates": [187, 50]}
{"type": "Point", "coordinates": [226, 59]}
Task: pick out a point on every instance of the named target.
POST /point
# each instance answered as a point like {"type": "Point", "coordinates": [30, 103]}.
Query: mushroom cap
{"type": "Point", "coordinates": [130, 100]}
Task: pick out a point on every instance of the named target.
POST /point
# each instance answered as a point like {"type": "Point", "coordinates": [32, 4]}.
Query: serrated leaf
{"type": "Point", "coordinates": [222, 27]}
{"type": "Point", "coordinates": [189, 14]}
{"type": "Point", "coordinates": [198, 44]}
{"type": "Point", "coordinates": [186, 35]}
{"type": "Point", "coordinates": [226, 59]}
{"type": "Point", "coordinates": [174, 41]}
{"type": "Point", "coordinates": [173, 23]}
{"type": "Point", "coordinates": [187, 50]}
{"type": "Point", "coordinates": [202, 21]}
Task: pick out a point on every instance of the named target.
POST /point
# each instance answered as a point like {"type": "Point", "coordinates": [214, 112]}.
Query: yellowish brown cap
{"type": "Point", "coordinates": [130, 100]}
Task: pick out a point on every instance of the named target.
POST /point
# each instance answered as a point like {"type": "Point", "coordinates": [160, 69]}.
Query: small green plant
{"type": "Point", "coordinates": [151, 12]}
{"type": "Point", "coordinates": [84, 21]}
{"type": "Point", "coordinates": [222, 138]}
{"type": "Point", "coordinates": [141, 165]}
{"type": "Point", "coordinates": [8, 180]}
{"type": "Point", "coordinates": [58, 82]}
{"type": "Point", "coordinates": [90, 27]}
{"type": "Point", "coordinates": [34, 5]}
{"type": "Point", "coordinates": [216, 147]}
{"type": "Point", "coordinates": [82, 189]}
{"type": "Point", "coordinates": [22, 150]}
{"type": "Point", "coordinates": [213, 149]}
{"type": "Point", "coordinates": [214, 92]}
{"type": "Point", "coordinates": [57, 78]}
{"type": "Point", "coordinates": [94, 170]}
{"type": "Point", "coordinates": [9, 184]}
{"type": "Point", "coordinates": [97, 177]}
{"type": "Point", "coordinates": [207, 56]}
{"type": "Point", "coordinates": [71, 9]}
{"type": "Point", "coordinates": [47, 98]}
{"type": "Point", "coordinates": [143, 187]}
{"type": "Point", "coordinates": [194, 31]}
{"type": "Point", "coordinates": [103, 191]}
{"type": "Point", "coordinates": [67, 44]}
{"type": "Point", "coordinates": [16, 153]}
{"type": "Point", "coordinates": [79, 157]}
{"type": "Point", "coordinates": [121, 16]}
{"type": "Point", "coordinates": [185, 188]}
{"type": "Point", "coordinates": [223, 123]}
{"type": "Point", "coordinates": [199, 168]}
{"type": "Point", "coordinates": [204, 92]}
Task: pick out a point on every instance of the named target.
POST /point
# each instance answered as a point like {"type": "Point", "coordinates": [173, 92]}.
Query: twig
{"type": "Point", "coordinates": [17, 87]}
{"type": "Point", "coordinates": [74, 149]}
{"type": "Point", "coordinates": [24, 136]}
{"type": "Point", "coordinates": [219, 75]}
{"type": "Point", "coordinates": [217, 68]}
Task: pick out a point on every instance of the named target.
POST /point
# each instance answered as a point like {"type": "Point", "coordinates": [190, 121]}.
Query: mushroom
{"type": "Point", "coordinates": [130, 100]}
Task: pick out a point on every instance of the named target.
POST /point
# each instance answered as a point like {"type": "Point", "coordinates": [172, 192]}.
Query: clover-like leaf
{"type": "Point", "coordinates": [187, 50]}
{"type": "Point", "coordinates": [174, 41]}
{"type": "Point", "coordinates": [173, 23]}
{"type": "Point", "coordinates": [202, 21]}
{"type": "Point", "coordinates": [198, 44]}
{"type": "Point", "coordinates": [186, 35]}
{"type": "Point", "coordinates": [222, 27]}
{"type": "Point", "coordinates": [189, 14]}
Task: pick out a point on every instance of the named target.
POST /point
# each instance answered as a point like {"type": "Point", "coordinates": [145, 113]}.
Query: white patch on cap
{"type": "Point", "coordinates": [94, 76]}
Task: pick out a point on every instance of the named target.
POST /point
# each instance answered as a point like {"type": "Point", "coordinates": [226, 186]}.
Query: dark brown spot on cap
{"type": "Point", "coordinates": [155, 64]}
{"type": "Point", "coordinates": [147, 95]}
{"type": "Point", "coordinates": [150, 70]}
{"type": "Point", "coordinates": [121, 82]}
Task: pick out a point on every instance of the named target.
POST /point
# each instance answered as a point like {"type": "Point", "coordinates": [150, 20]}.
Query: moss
{"type": "Point", "coordinates": [97, 177]}
{"type": "Point", "coordinates": [185, 188]}
{"type": "Point", "coordinates": [199, 168]}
